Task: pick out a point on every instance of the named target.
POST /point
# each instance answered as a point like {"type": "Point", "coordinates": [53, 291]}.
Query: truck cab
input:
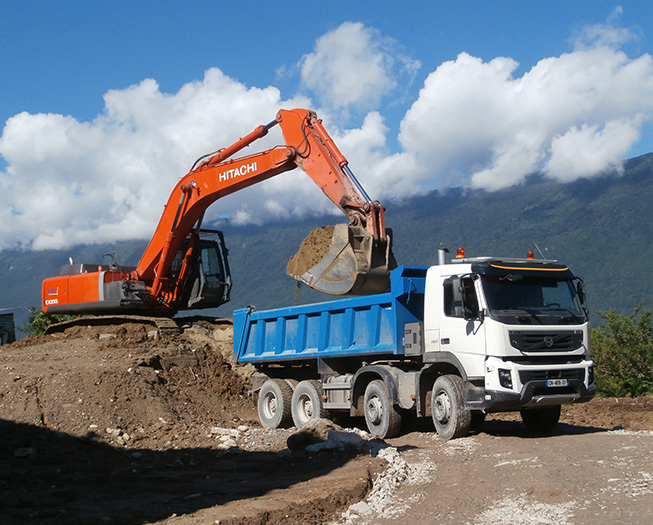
{"type": "Point", "coordinates": [516, 328]}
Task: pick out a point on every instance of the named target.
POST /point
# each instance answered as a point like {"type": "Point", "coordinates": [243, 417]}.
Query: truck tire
{"type": "Point", "coordinates": [307, 402]}
{"type": "Point", "coordinates": [292, 383]}
{"type": "Point", "coordinates": [541, 420]}
{"type": "Point", "coordinates": [382, 418]}
{"type": "Point", "coordinates": [450, 417]}
{"type": "Point", "coordinates": [274, 404]}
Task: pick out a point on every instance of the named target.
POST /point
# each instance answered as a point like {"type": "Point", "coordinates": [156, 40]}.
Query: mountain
{"type": "Point", "coordinates": [601, 227]}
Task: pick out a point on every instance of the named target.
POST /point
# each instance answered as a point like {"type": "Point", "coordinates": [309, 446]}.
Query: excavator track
{"type": "Point", "coordinates": [164, 325]}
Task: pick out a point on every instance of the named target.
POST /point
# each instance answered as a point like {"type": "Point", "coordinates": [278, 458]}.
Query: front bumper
{"type": "Point", "coordinates": [529, 385]}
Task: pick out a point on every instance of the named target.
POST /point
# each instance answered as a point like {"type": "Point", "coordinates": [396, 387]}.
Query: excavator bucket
{"type": "Point", "coordinates": [343, 259]}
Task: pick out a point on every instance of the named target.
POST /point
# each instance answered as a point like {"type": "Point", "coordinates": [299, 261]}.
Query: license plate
{"type": "Point", "coordinates": [556, 382]}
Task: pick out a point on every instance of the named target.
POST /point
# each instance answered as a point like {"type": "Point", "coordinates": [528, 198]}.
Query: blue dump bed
{"type": "Point", "coordinates": [356, 326]}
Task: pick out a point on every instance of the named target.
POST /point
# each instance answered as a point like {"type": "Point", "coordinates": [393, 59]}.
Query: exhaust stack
{"type": "Point", "coordinates": [441, 251]}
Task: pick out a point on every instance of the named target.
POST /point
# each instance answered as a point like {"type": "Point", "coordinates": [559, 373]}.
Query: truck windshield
{"type": "Point", "coordinates": [518, 299]}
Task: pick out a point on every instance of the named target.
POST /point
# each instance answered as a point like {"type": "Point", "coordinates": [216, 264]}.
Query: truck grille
{"type": "Point", "coordinates": [526, 376]}
{"type": "Point", "coordinates": [566, 341]}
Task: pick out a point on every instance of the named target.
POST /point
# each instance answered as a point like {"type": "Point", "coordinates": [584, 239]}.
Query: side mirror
{"type": "Point", "coordinates": [470, 310]}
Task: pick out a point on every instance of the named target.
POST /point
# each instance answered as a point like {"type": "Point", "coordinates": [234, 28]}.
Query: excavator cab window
{"type": "Point", "coordinates": [211, 263]}
{"type": "Point", "coordinates": [208, 284]}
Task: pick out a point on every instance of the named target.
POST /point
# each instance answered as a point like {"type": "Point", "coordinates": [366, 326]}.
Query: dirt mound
{"type": "Point", "coordinates": [311, 251]}
{"type": "Point", "coordinates": [121, 380]}
{"type": "Point", "coordinates": [120, 424]}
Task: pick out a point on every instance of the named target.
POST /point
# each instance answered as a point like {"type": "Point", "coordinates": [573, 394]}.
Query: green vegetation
{"type": "Point", "coordinates": [622, 350]}
{"type": "Point", "coordinates": [38, 322]}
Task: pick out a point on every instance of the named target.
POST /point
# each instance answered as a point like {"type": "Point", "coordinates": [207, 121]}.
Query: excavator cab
{"type": "Point", "coordinates": [208, 281]}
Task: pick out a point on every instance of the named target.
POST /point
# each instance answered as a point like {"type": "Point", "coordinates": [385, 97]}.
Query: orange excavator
{"type": "Point", "coordinates": [182, 268]}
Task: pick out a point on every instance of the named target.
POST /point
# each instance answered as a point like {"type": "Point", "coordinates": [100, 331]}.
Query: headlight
{"type": "Point", "coordinates": [505, 378]}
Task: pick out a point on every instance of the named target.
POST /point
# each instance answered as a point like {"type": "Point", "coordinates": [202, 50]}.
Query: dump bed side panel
{"type": "Point", "coordinates": [358, 326]}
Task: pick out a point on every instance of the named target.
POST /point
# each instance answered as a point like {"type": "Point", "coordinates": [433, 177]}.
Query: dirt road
{"type": "Point", "coordinates": [117, 424]}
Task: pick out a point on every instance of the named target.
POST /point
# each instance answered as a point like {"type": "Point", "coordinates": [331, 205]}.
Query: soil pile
{"type": "Point", "coordinates": [311, 251]}
{"type": "Point", "coordinates": [120, 424]}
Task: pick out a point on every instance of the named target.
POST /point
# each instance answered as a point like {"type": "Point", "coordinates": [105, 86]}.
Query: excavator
{"type": "Point", "coordinates": [186, 267]}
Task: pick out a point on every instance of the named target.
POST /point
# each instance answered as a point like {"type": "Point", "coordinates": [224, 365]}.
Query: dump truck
{"type": "Point", "coordinates": [454, 341]}
{"type": "Point", "coordinates": [185, 266]}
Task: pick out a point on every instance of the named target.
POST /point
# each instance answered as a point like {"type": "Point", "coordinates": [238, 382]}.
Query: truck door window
{"type": "Point", "coordinates": [460, 294]}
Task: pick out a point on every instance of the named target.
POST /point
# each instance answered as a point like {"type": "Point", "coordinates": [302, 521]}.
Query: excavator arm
{"type": "Point", "coordinates": [357, 259]}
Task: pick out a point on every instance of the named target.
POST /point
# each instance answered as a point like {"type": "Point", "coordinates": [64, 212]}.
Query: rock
{"type": "Point", "coordinates": [219, 431]}
{"type": "Point", "coordinates": [361, 508]}
{"type": "Point", "coordinates": [338, 440]}
{"type": "Point", "coordinates": [322, 434]}
{"type": "Point", "coordinates": [227, 444]}
{"type": "Point", "coordinates": [222, 335]}
{"type": "Point", "coordinates": [198, 329]}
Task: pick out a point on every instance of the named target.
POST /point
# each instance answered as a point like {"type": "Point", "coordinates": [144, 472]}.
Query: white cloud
{"type": "Point", "coordinates": [355, 66]}
{"type": "Point", "coordinates": [604, 35]}
{"type": "Point", "coordinates": [475, 124]}
{"type": "Point", "coordinates": [70, 182]}
{"type": "Point", "coordinates": [588, 150]}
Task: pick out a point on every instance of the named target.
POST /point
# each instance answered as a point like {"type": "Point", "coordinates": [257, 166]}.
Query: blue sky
{"type": "Point", "coordinates": [418, 95]}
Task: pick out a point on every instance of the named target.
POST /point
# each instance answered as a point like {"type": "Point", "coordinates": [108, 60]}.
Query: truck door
{"type": "Point", "coordinates": [462, 331]}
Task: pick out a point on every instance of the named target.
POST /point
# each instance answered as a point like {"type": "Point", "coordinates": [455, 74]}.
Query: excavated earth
{"type": "Point", "coordinates": [311, 251]}
{"type": "Point", "coordinates": [123, 424]}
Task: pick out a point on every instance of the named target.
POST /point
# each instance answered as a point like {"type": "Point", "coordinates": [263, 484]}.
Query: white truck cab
{"type": "Point", "coordinates": [516, 328]}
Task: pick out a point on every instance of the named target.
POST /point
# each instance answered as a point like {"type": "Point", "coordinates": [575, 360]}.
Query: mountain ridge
{"type": "Point", "coordinates": [601, 227]}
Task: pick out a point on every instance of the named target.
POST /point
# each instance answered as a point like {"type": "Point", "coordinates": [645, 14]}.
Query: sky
{"type": "Point", "coordinates": [104, 105]}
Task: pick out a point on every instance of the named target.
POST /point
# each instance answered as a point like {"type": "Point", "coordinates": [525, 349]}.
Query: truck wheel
{"type": "Point", "coordinates": [541, 420]}
{"type": "Point", "coordinates": [381, 416]}
{"type": "Point", "coordinates": [292, 383]}
{"type": "Point", "coordinates": [450, 417]}
{"type": "Point", "coordinates": [307, 402]}
{"type": "Point", "coordinates": [274, 402]}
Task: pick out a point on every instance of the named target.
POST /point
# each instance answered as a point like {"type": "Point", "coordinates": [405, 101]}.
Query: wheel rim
{"type": "Point", "coordinates": [270, 405]}
{"type": "Point", "coordinates": [305, 408]}
{"type": "Point", "coordinates": [442, 408]}
{"type": "Point", "coordinates": [374, 410]}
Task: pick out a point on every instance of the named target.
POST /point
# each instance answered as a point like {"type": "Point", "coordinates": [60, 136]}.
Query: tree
{"type": "Point", "coordinates": [38, 321]}
{"type": "Point", "coordinates": [622, 350]}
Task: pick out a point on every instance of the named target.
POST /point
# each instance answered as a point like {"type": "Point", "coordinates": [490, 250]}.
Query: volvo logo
{"type": "Point", "coordinates": [548, 341]}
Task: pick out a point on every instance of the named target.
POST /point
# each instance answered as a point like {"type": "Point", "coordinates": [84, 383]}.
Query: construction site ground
{"type": "Point", "coordinates": [121, 424]}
